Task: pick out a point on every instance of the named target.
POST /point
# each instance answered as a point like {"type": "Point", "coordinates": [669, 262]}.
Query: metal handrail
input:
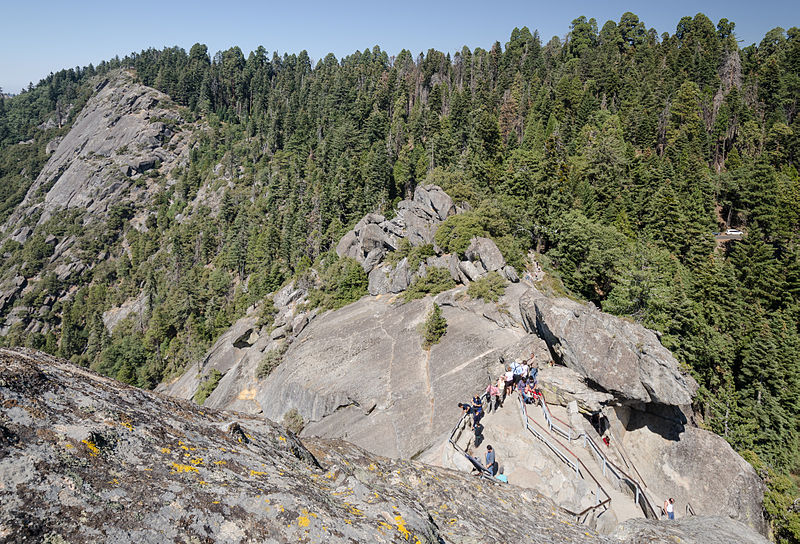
{"type": "Point", "coordinates": [556, 448]}
{"type": "Point", "coordinates": [608, 464]}
{"type": "Point", "coordinates": [689, 510]}
{"type": "Point", "coordinates": [484, 472]}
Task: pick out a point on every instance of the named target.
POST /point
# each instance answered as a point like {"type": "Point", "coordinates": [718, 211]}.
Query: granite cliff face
{"type": "Point", "coordinates": [120, 151]}
{"type": "Point", "coordinates": [125, 130]}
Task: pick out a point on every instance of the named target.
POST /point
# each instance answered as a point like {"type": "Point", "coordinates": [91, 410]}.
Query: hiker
{"type": "Point", "coordinates": [493, 392]}
{"type": "Point", "coordinates": [669, 508]}
{"type": "Point", "coordinates": [501, 387]}
{"type": "Point", "coordinates": [477, 410]}
{"type": "Point", "coordinates": [509, 379]}
{"type": "Point", "coordinates": [516, 369]}
{"type": "Point", "coordinates": [521, 390]}
{"type": "Point", "coordinates": [530, 390]}
{"type": "Point", "coordinates": [525, 369]}
{"type": "Point", "coordinates": [466, 411]}
{"type": "Point", "coordinates": [534, 372]}
{"type": "Point", "coordinates": [491, 462]}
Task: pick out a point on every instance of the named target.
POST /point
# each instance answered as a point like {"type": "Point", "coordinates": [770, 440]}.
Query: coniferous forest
{"type": "Point", "coordinates": [616, 154]}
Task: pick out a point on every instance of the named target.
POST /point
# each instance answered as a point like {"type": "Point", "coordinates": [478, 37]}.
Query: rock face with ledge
{"type": "Point", "coordinates": [124, 130]}
{"type": "Point", "coordinates": [621, 357]}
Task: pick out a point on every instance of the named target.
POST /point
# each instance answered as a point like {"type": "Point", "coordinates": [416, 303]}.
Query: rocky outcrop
{"type": "Point", "coordinates": [84, 458]}
{"type": "Point", "coordinates": [238, 353]}
{"type": "Point", "coordinates": [692, 465]}
{"type": "Point", "coordinates": [690, 530]}
{"type": "Point", "coordinates": [416, 221]}
{"type": "Point", "coordinates": [621, 357]}
{"type": "Point", "coordinates": [135, 308]}
{"type": "Point", "coordinates": [125, 129]}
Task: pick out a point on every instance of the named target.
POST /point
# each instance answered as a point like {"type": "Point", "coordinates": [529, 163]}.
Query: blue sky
{"type": "Point", "coordinates": [37, 37]}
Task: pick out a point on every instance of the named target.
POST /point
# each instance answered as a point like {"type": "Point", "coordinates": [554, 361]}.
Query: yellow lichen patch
{"type": "Point", "coordinates": [221, 462]}
{"type": "Point", "coordinates": [249, 436]}
{"type": "Point", "coordinates": [92, 447]}
{"type": "Point", "coordinates": [281, 438]}
{"type": "Point", "coordinates": [303, 521]}
{"type": "Point", "coordinates": [214, 502]}
{"type": "Point", "coordinates": [166, 450]}
{"type": "Point", "coordinates": [68, 446]}
{"type": "Point", "coordinates": [203, 482]}
{"type": "Point", "coordinates": [372, 467]}
{"type": "Point", "coordinates": [257, 473]}
{"type": "Point", "coordinates": [177, 467]}
{"type": "Point", "coordinates": [127, 425]}
{"type": "Point", "coordinates": [196, 461]}
{"type": "Point", "coordinates": [114, 481]}
{"type": "Point", "coordinates": [452, 521]}
{"type": "Point", "coordinates": [354, 510]}
{"type": "Point", "coordinates": [385, 526]}
{"type": "Point", "coordinates": [401, 527]}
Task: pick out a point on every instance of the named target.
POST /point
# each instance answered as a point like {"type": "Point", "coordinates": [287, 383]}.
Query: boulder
{"type": "Point", "coordinates": [621, 357]}
{"type": "Point", "coordinates": [470, 270]}
{"type": "Point", "coordinates": [400, 277]}
{"type": "Point", "coordinates": [379, 280]}
{"type": "Point", "coordinates": [435, 199]}
{"type": "Point", "coordinates": [485, 251]}
{"type": "Point", "coordinates": [562, 385]}
{"type": "Point", "coordinates": [510, 273]}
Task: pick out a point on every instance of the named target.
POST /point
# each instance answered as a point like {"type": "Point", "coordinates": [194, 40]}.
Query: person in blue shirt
{"type": "Point", "coordinates": [491, 463]}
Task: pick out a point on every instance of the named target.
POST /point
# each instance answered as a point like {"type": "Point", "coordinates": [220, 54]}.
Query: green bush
{"type": "Point", "coordinates": [293, 421]}
{"type": "Point", "coordinates": [490, 287]}
{"type": "Point", "coordinates": [434, 328]}
{"type": "Point", "coordinates": [415, 254]}
{"type": "Point", "coordinates": [343, 282]}
{"type": "Point", "coordinates": [270, 362]}
{"type": "Point", "coordinates": [433, 282]}
{"type": "Point", "coordinates": [207, 386]}
{"type": "Point", "coordinates": [456, 232]}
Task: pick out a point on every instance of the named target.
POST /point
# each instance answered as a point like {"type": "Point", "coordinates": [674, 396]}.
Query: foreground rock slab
{"type": "Point", "coordinates": [691, 530]}
{"type": "Point", "coordinates": [86, 459]}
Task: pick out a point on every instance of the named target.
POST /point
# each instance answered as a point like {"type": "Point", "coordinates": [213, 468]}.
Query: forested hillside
{"type": "Point", "coordinates": [617, 154]}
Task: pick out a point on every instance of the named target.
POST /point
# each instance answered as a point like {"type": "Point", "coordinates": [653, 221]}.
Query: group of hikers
{"type": "Point", "coordinates": [519, 376]}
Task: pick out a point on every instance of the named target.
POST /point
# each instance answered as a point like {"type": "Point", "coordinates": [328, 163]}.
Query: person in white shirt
{"type": "Point", "coordinates": [669, 508]}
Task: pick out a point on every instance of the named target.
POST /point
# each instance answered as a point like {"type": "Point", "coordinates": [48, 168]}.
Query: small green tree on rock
{"type": "Point", "coordinates": [434, 328]}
